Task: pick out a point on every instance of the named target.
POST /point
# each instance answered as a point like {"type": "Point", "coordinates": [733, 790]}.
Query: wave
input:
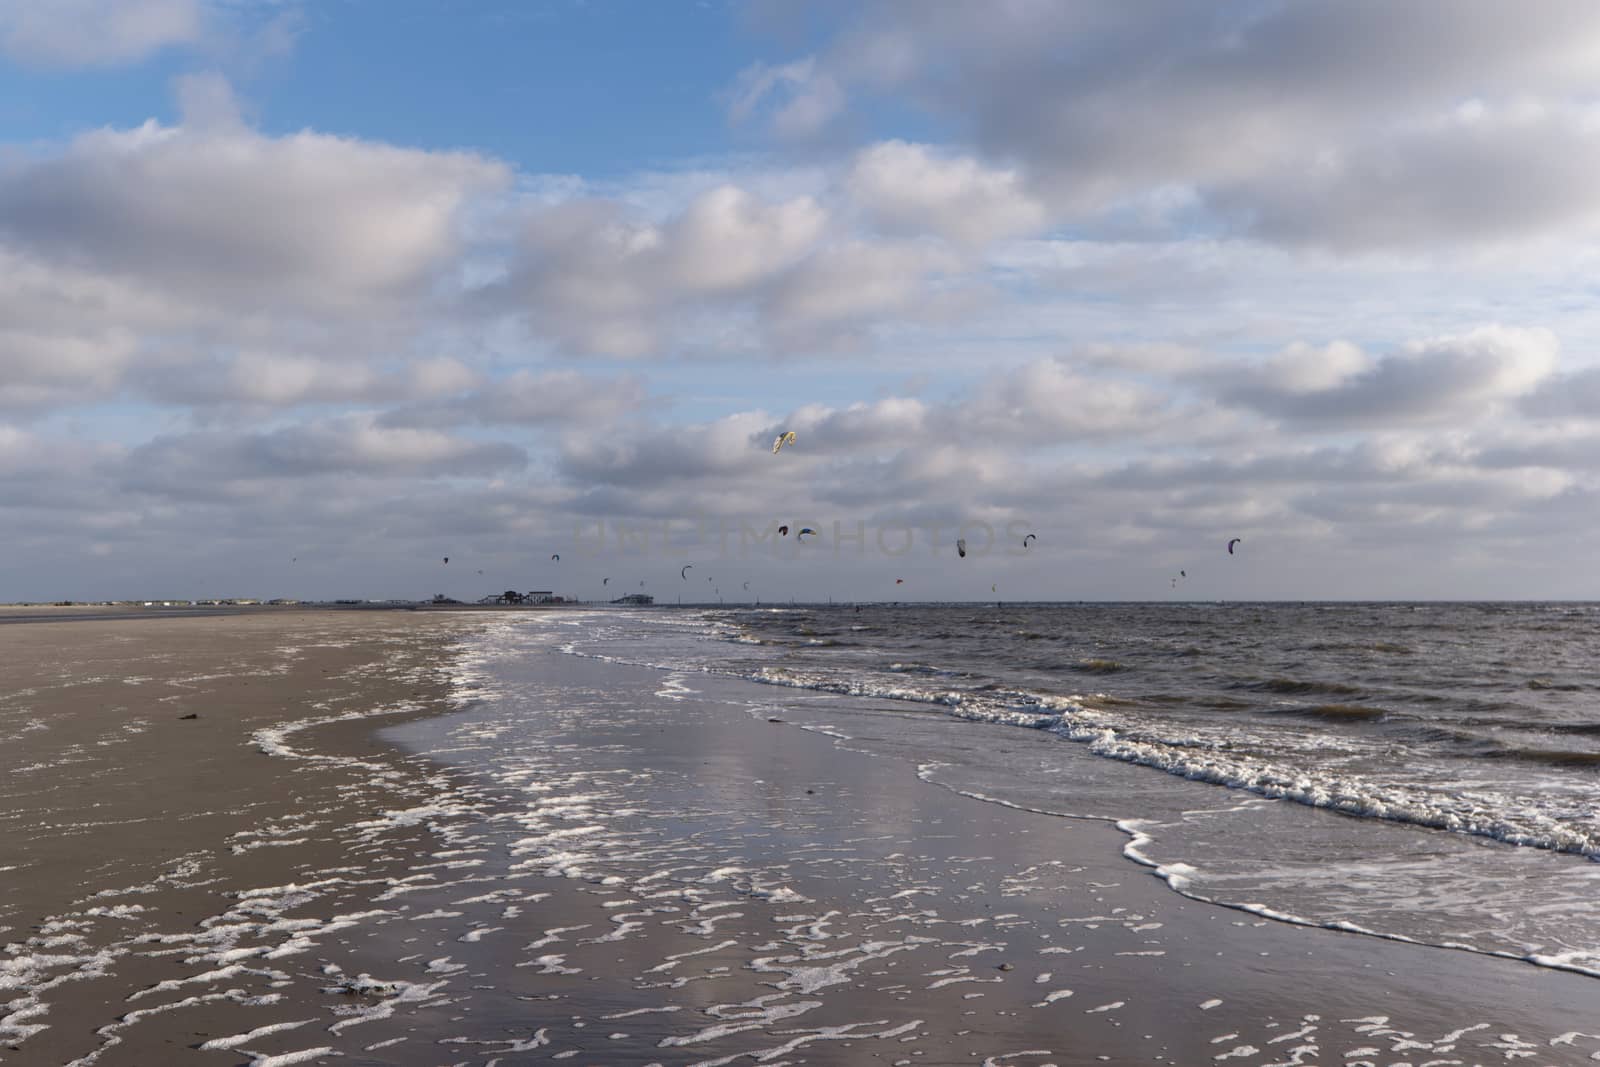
{"type": "Point", "coordinates": [1363, 646]}
{"type": "Point", "coordinates": [1202, 760]}
{"type": "Point", "coordinates": [1559, 687]}
{"type": "Point", "coordinates": [1336, 712]}
{"type": "Point", "coordinates": [1100, 666]}
{"type": "Point", "coordinates": [1297, 687]}
{"type": "Point", "coordinates": [1550, 757]}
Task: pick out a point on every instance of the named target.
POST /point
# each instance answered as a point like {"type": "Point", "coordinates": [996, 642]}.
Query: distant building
{"type": "Point", "coordinates": [539, 596]}
{"type": "Point", "coordinates": [635, 599]}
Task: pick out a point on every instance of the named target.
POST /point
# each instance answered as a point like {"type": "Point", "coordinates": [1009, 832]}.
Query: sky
{"type": "Point", "coordinates": [298, 299]}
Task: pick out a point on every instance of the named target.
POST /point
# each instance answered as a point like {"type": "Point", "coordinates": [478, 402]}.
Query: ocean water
{"type": "Point", "coordinates": [1427, 772]}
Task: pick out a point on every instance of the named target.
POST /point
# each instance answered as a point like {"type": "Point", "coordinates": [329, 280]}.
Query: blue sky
{"type": "Point", "coordinates": [351, 284]}
{"type": "Point", "coordinates": [602, 89]}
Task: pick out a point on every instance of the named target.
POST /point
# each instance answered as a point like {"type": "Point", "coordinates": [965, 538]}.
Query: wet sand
{"type": "Point", "coordinates": [136, 804]}
{"type": "Point", "coordinates": [663, 875]}
{"type": "Point", "coordinates": [616, 866]}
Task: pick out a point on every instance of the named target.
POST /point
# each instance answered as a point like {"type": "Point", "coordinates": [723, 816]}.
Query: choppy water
{"type": "Point", "coordinates": [1421, 771]}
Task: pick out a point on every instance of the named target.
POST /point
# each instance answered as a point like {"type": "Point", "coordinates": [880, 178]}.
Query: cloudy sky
{"type": "Point", "coordinates": [297, 299]}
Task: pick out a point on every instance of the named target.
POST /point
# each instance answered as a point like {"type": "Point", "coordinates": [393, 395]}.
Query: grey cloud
{"type": "Point", "coordinates": [1110, 106]}
{"type": "Point", "coordinates": [43, 370]}
{"type": "Point", "coordinates": [1438, 379]}
{"type": "Point", "coordinates": [227, 213]}
{"type": "Point", "coordinates": [1476, 178]}
{"type": "Point", "coordinates": [1422, 511]}
{"type": "Point", "coordinates": [70, 336]}
{"type": "Point", "coordinates": [896, 447]}
{"type": "Point", "coordinates": [856, 280]}
{"type": "Point", "coordinates": [1575, 395]}
{"type": "Point", "coordinates": [601, 279]}
{"type": "Point", "coordinates": [267, 381]}
{"type": "Point", "coordinates": [893, 422]}
{"type": "Point", "coordinates": [527, 399]}
{"type": "Point", "coordinates": [1046, 401]}
{"type": "Point", "coordinates": [1037, 404]}
{"type": "Point", "coordinates": [1565, 451]}
{"type": "Point", "coordinates": [212, 464]}
{"type": "Point", "coordinates": [719, 450]}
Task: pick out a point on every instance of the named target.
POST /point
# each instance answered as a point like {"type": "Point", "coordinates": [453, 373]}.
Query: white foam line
{"type": "Point", "coordinates": [244, 1039]}
{"type": "Point", "coordinates": [642, 1011]}
{"type": "Point", "coordinates": [829, 1033]}
{"type": "Point", "coordinates": [765, 1017]}
{"type": "Point", "coordinates": [1176, 875]}
{"type": "Point", "coordinates": [288, 1059]}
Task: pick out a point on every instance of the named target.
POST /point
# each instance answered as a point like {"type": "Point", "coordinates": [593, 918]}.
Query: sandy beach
{"type": "Point", "coordinates": [138, 805]}
{"type": "Point", "coordinates": [606, 864]}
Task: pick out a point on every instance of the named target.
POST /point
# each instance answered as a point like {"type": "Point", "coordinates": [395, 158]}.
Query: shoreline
{"type": "Point", "coordinates": [624, 865]}
{"type": "Point", "coordinates": [623, 832]}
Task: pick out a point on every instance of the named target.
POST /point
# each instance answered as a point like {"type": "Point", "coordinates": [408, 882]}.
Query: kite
{"type": "Point", "coordinates": [803, 531]}
{"type": "Point", "coordinates": [1030, 537]}
{"type": "Point", "coordinates": [447, 559]}
{"type": "Point", "coordinates": [1233, 542]}
{"type": "Point", "coordinates": [783, 531]}
{"type": "Point", "coordinates": [747, 586]}
{"type": "Point", "coordinates": [899, 581]}
{"type": "Point", "coordinates": [684, 574]}
{"type": "Point", "coordinates": [961, 547]}
{"type": "Point", "coordinates": [782, 439]}
{"type": "Point", "coordinates": [556, 556]}
{"type": "Point", "coordinates": [605, 581]}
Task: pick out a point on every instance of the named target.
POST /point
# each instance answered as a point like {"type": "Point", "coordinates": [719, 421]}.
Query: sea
{"type": "Point", "coordinates": [1426, 772]}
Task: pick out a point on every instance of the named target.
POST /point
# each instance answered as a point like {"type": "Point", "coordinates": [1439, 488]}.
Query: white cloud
{"type": "Point", "coordinates": [605, 281]}
{"type": "Point", "coordinates": [46, 370]}
{"type": "Point", "coordinates": [1047, 402]}
{"type": "Point", "coordinates": [797, 99]}
{"type": "Point", "coordinates": [88, 33]}
{"type": "Point", "coordinates": [911, 188]}
{"type": "Point", "coordinates": [206, 101]}
{"type": "Point", "coordinates": [857, 279]}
